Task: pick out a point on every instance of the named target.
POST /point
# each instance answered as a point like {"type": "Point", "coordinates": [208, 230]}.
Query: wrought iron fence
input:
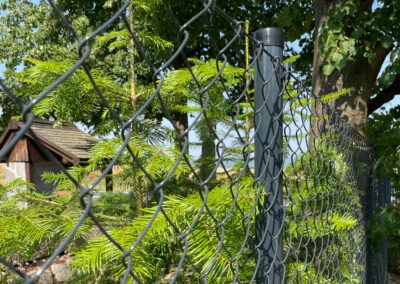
{"type": "Point", "coordinates": [280, 191]}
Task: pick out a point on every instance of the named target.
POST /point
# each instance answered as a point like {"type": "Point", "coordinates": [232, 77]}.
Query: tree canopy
{"type": "Point", "coordinates": [343, 45]}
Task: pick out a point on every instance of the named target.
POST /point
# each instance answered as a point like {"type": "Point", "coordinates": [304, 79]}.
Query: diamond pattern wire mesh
{"type": "Point", "coordinates": [207, 231]}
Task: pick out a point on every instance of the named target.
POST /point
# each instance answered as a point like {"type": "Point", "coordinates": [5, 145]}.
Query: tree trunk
{"type": "Point", "coordinates": [360, 73]}
{"type": "Point", "coordinates": [180, 118]}
{"type": "Point", "coordinates": [182, 123]}
{"type": "Point", "coordinates": [208, 151]}
{"type": "Point", "coordinates": [132, 79]}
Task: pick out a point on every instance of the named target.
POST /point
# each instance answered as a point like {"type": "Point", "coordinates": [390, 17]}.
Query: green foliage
{"type": "Point", "coordinates": [158, 253]}
{"type": "Point", "coordinates": [32, 225]}
{"type": "Point", "coordinates": [384, 130]}
{"type": "Point", "coordinates": [42, 46]}
{"type": "Point", "coordinates": [352, 32]}
{"type": "Point", "coordinates": [383, 227]}
{"type": "Point", "coordinates": [332, 228]}
{"type": "Point", "coordinates": [324, 209]}
{"type": "Point", "coordinates": [118, 204]}
{"type": "Point", "coordinates": [74, 100]}
{"type": "Point", "coordinates": [325, 98]}
{"type": "Point", "coordinates": [338, 46]}
{"type": "Point", "coordinates": [49, 49]}
{"type": "Point", "coordinates": [180, 82]}
{"type": "Point", "coordinates": [121, 38]}
{"type": "Point", "coordinates": [183, 93]}
{"type": "Point", "coordinates": [160, 247]}
{"type": "Point", "coordinates": [158, 161]}
{"type": "Point", "coordinates": [385, 223]}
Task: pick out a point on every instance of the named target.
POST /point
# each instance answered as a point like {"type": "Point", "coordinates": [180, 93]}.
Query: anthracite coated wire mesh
{"type": "Point", "coordinates": [298, 216]}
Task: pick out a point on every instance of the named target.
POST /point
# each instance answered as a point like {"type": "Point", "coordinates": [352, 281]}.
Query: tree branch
{"type": "Point", "coordinates": [385, 96]}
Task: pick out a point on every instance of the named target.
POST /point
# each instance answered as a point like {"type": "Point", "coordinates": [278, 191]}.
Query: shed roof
{"type": "Point", "coordinates": [66, 140]}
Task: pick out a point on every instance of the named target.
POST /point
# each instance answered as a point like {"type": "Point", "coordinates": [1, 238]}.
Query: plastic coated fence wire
{"type": "Point", "coordinates": [329, 191]}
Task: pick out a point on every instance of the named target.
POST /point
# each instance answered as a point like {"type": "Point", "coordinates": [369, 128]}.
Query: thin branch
{"type": "Point", "coordinates": [43, 200]}
{"type": "Point", "coordinates": [385, 96]}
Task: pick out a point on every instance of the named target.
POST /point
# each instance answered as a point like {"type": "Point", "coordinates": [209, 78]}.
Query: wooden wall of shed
{"type": "Point", "coordinates": [26, 151]}
{"type": "Point", "coordinates": [20, 151]}
{"type": "Point", "coordinates": [35, 154]}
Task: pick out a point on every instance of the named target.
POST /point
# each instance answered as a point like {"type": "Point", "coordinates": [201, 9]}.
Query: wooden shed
{"type": "Point", "coordinates": [27, 159]}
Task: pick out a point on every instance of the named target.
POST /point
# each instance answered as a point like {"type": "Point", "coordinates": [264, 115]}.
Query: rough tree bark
{"type": "Point", "coordinates": [360, 73]}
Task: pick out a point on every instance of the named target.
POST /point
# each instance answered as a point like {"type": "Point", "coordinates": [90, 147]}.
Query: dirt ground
{"type": "Point", "coordinates": [393, 279]}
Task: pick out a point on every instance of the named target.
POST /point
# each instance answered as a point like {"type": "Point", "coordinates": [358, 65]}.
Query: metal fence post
{"type": "Point", "coordinates": [377, 195]}
{"type": "Point", "coordinates": [268, 154]}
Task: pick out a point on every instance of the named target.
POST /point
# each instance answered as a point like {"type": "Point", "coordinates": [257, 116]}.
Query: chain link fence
{"type": "Point", "coordinates": [263, 183]}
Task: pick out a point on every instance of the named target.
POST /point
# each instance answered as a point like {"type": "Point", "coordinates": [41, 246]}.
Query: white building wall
{"type": "Point", "coordinates": [15, 170]}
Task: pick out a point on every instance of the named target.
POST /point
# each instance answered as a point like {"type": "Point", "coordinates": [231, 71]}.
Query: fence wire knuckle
{"type": "Point", "coordinates": [280, 191]}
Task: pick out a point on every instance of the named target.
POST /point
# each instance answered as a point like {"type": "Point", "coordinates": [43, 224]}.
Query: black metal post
{"type": "Point", "coordinates": [268, 154]}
